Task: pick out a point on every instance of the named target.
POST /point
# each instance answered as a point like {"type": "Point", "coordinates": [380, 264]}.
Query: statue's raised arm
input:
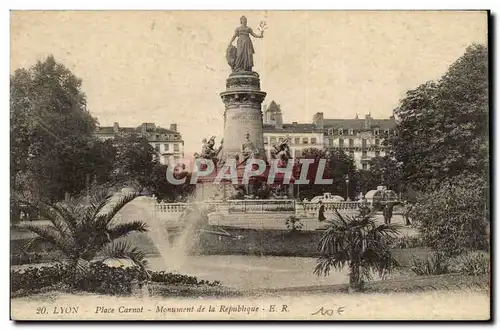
{"type": "Point", "coordinates": [240, 58]}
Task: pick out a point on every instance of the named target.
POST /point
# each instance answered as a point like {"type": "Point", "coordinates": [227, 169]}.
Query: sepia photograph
{"type": "Point", "coordinates": [250, 165]}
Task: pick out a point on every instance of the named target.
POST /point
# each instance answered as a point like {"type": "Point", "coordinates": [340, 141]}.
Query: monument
{"type": "Point", "coordinates": [243, 126]}
{"type": "Point", "coordinates": [243, 118]}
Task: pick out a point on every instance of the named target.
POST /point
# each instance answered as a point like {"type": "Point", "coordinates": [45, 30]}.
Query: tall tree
{"type": "Point", "coordinates": [338, 167]}
{"type": "Point", "coordinates": [386, 171]}
{"type": "Point", "coordinates": [51, 132]}
{"type": "Point", "coordinates": [443, 125]}
{"type": "Point", "coordinates": [133, 160]}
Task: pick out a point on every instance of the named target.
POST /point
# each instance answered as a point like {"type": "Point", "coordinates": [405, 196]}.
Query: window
{"type": "Point", "coordinates": [363, 143]}
{"type": "Point", "coordinates": [341, 143]}
{"type": "Point", "coordinates": [377, 142]}
{"type": "Point", "coordinates": [341, 131]}
{"type": "Point", "coordinates": [313, 140]}
{"type": "Point", "coordinates": [365, 166]}
{"type": "Point", "coordinates": [377, 153]}
{"type": "Point", "coordinates": [272, 140]}
{"type": "Point", "coordinates": [330, 131]}
{"type": "Point", "coordinates": [176, 147]}
{"type": "Point", "coordinates": [298, 153]}
{"type": "Point", "coordinates": [376, 132]}
{"type": "Point", "coordinates": [351, 132]}
{"type": "Point", "coordinates": [165, 147]}
{"type": "Point", "coordinates": [386, 131]}
{"type": "Point", "coordinates": [365, 154]}
{"type": "Point", "coordinates": [280, 140]}
{"type": "Point", "coordinates": [297, 140]}
{"type": "Point", "coordinates": [157, 147]}
{"type": "Point", "coordinates": [265, 139]}
{"type": "Point", "coordinates": [305, 140]}
{"type": "Point", "coordinates": [351, 153]}
{"type": "Point", "coordinates": [351, 143]}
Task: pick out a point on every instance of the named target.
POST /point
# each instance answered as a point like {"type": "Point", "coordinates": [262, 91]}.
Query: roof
{"type": "Point", "coordinates": [293, 128]}
{"type": "Point", "coordinates": [158, 130]}
{"type": "Point", "coordinates": [359, 123]}
{"type": "Point", "coordinates": [273, 107]}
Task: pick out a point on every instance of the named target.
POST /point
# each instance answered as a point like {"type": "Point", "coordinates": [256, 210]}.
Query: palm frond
{"type": "Point", "coordinates": [123, 250]}
{"type": "Point", "coordinates": [124, 229]}
{"type": "Point", "coordinates": [49, 234]}
{"type": "Point", "coordinates": [325, 263]}
{"type": "Point", "coordinates": [71, 221]}
{"type": "Point", "coordinates": [51, 213]}
{"type": "Point", "coordinates": [98, 200]}
{"type": "Point", "coordinates": [34, 242]}
{"type": "Point", "coordinates": [116, 207]}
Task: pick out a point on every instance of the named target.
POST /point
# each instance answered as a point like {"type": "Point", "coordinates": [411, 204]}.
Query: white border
{"type": "Point", "coordinates": [183, 5]}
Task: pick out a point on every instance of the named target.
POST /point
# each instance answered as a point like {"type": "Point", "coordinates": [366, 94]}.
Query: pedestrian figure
{"type": "Point", "coordinates": [389, 206]}
{"type": "Point", "coordinates": [321, 212]}
{"type": "Point", "coordinates": [408, 207]}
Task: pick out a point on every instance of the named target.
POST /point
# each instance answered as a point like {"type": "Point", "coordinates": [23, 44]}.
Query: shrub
{"type": "Point", "coordinates": [100, 278]}
{"type": "Point", "coordinates": [34, 278]}
{"type": "Point", "coordinates": [435, 264]}
{"type": "Point", "coordinates": [22, 257]}
{"type": "Point", "coordinates": [110, 280]}
{"type": "Point", "coordinates": [294, 223]}
{"type": "Point", "coordinates": [472, 263]}
{"type": "Point", "coordinates": [179, 279]}
{"type": "Point", "coordinates": [453, 219]}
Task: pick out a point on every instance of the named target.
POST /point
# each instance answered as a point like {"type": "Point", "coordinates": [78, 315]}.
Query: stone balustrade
{"type": "Point", "coordinates": [260, 206]}
{"type": "Point", "coordinates": [330, 206]}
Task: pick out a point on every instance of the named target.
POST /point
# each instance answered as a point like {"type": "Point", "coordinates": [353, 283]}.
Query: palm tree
{"type": "Point", "coordinates": [358, 242]}
{"type": "Point", "coordinates": [82, 229]}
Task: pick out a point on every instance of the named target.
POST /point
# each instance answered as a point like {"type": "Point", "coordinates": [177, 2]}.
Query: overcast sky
{"type": "Point", "coordinates": [169, 67]}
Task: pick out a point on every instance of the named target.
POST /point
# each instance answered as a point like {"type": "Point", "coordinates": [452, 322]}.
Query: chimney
{"type": "Point", "coordinates": [173, 127]}
{"type": "Point", "coordinates": [368, 121]}
{"type": "Point", "coordinates": [116, 127]}
{"type": "Point", "coordinates": [294, 123]}
{"type": "Point", "coordinates": [318, 120]}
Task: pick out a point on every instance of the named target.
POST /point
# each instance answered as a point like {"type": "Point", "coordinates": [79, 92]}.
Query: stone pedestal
{"type": "Point", "coordinates": [243, 115]}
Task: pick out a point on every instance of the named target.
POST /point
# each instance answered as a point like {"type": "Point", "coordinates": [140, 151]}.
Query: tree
{"type": "Point", "coordinates": [82, 229]}
{"type": "Point", "coordinates": [387, 171]}
{"type": "Point", "coordinates": [358, 242]}
{"type": "Point", "coordinates": [443, 125]}
{"type": "Point", "coordinates": [338, 166]}
{"type": "Point", "coordinates": [164, 190]}
{"type": "Point", "coordinates": [453, 219]}
{"type": "Point", "coordinates": [133, 160]}
{"type": "Point", "coordinates": [52, 133]}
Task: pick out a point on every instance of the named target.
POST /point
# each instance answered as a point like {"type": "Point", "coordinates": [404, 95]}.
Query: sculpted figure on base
{"type": "Point", "coordinates": [240, 58]}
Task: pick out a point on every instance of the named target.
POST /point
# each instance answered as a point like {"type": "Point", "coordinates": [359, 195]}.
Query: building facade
{"type": "Point", "coordinates": [362, 139]}
{"type": "Point", "coordinates": [300, 136]}
{"type": "Point", "coordinates": [168, 143]}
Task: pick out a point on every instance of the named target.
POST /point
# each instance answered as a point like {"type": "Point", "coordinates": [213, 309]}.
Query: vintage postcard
{"type": "Point", "coordinates": [258, 165]}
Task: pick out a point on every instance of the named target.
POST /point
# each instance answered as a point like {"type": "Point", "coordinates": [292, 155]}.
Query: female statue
{"type": "Point", "coordinates": [240, 58]}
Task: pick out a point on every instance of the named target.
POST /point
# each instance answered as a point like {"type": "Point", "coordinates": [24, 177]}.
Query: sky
{"type": "Point", "coordinates": [169, 66]}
